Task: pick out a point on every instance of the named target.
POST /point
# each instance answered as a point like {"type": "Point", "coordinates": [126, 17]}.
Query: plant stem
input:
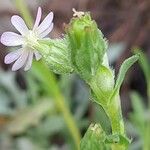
{"type": "Point", "coordinates": [50, 82]}
{"type": "Point", "coordinates": [115, 115]}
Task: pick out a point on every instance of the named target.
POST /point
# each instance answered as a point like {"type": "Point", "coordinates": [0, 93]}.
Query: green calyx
{"type": "Point", "coordinates": [102, 85]}
{"type": "Point", "coordinates": [94, 139]}
{"type": "Point", "coordinates": [87, 46]}
{"type": "Point", "coordinates": [81, 50]}
{"type": "Point", "coordinates": [55, 53]}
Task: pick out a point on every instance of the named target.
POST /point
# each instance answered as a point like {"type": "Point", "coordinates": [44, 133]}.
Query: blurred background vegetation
{"type": "Point", "coordinates": [40, 110]}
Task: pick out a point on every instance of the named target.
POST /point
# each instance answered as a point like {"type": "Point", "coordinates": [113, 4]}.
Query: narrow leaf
{"type": "Point", "coordinates": [124, 68]}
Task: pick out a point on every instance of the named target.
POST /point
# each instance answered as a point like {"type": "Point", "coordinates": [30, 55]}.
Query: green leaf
{"type": "Point", "coordinates": [94, 139]}
{"type": "Point", "coordinates": [102, 85]}
{"type": "Point", "coordinates": [118, 139]}
{"type": "Point", "coordinates": [87, 45]}
{"type": "Point", "coordinates": [56, 54]}
{"type": "Point", "coordinates": [124, 68]}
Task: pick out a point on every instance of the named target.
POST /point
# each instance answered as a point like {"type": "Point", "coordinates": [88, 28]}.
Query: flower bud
{"type": "Point", "coordinates": [94, 138]}
{"type": "Point", "coordinates": [102, 85]}
{"type": "Point", "coordinates": [87, 45]}
{"type": "Point", "coordinates": [55, 53]}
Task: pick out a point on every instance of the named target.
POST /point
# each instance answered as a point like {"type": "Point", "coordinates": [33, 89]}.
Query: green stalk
{"type": "Point", "coordinates": [114, 113]}
{"type": "Point", "coordinates": [50, 82]}
{"type": "Point", "coordinates": [110, 101]}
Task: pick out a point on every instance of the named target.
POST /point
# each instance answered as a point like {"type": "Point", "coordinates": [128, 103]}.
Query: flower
{"type": "Point", "coordinates": [28, 38]}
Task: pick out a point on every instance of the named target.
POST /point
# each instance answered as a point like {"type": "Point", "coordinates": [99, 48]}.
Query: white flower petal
{"type": "Point", "coordinates": [20, 62]}
{"type": "Point", "coordinates": [45, 23]}
{"type": "Point", "coordinates": [37, 55]}
{"type": "Point", "coordinates": [46, 32]}
{"type": "Point", "coordinates": [19, 24]}
{"type": "Point", "coordinates": [38, 18]}
{"type": "Point", "coordinates": [12, 56]}
{"type": "Point", "coordinates": [29, 61]}
{"type": "Point", "coordinates": [11, 39]}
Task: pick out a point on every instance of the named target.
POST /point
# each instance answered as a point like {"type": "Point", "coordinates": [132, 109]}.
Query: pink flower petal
{"type": "Point", "coordinates": [38, 18]}
{"type": "Point", "coordinates": [45, 23]}
{"type": "Point", "coordinates": [19, 24]}
{"type": "Point", "coordinates": [20, 62]}
{"type": "Point", "coordinates": [12, 56]}
{"type": "Point", "coordinates": [11, 39]}
{"type": "Point", "coordinates": [29, 61]}
{"type": "Point", "coordinates": [37, 55]}
{"type": "Point", "coordinates": [46, 32]}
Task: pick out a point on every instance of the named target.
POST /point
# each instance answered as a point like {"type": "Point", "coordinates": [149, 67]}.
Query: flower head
{"type": "Point", "coordinates": [26, 39]}
{"type": "Point", "coordinates": [87, 45]}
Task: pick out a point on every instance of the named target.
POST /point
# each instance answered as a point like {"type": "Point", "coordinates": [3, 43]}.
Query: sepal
{"type": "Point", "coordinates": [94, 139]}
{"type": "Point", "coordinates": [102, 85]}
{"type": "Point", "coordinates": [87, 46]}
{"type": "Point", "coordinates": [119, 140]}
{"type": "Point", "coordinates": [56, 54]}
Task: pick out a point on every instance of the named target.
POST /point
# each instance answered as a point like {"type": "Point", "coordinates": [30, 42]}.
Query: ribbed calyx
{"type": "Point", "coordinates": [87, 46]}
{"type": "Point", "coordinates": [56, 54]}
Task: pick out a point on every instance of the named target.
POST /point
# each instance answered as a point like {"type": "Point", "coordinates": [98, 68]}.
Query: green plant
{"type": "Point", "coordinates": [82, 50]}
